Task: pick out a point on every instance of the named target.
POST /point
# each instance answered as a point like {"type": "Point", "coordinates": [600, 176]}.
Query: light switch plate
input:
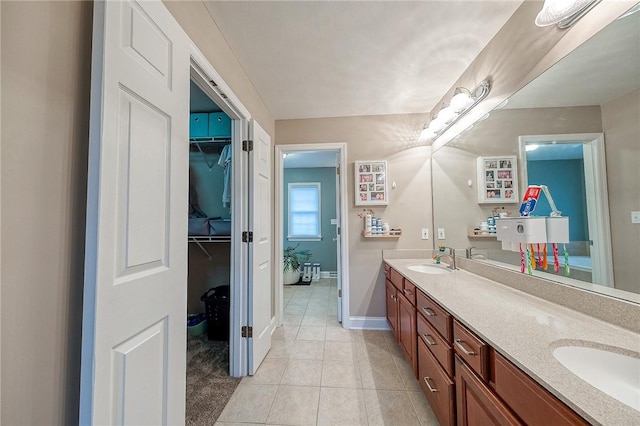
{"type": "Point", "coordinates": [441, 233]}
{"type": "Point", "coordinates": [635, 217]}
{"type": "Point", "coordinates": [334, 221]}
{"type": "Point", "coordinates": [425, 233]}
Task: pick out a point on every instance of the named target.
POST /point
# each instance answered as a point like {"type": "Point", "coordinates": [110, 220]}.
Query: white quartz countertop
{"type": "Point", "coordinates": [526, 329]}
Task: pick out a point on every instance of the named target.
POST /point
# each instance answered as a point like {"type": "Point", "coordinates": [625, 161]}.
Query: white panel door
{"type": "Point", "coordinates": [134, 335]}
{"type": "Point", "coordinates": [260, 208]}
{"type": "Point", "coordinates": [339, 201]}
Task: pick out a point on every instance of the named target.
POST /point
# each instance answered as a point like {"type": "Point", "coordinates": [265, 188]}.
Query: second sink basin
{"type": "Point", "coordinates": [429, 269]}
{"type": "Point", "coordinates": [615, 374]}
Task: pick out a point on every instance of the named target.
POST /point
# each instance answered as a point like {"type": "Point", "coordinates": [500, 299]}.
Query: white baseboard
{"type": "Point", "coordinates": [368, 323]}
{"type": "Point", "coordinates": [328, 274]}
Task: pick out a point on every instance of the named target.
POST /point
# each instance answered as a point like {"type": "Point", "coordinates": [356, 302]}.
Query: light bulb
{"type": "Point", "coordinates": [426, 134]}
{"type": "Point", "coordinates": [437, 124]}
{"type": "Point", "coordinates": [461, 100]}
{"type": "Point", "coordinates": [447, 114]}
{"type": "Point", "coordinates": [554, 11]}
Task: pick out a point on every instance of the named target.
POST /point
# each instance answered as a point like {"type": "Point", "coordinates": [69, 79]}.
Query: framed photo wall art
{"type": "Point", "coordinates": [497, 179]}
{"type": "Point", "coordinates": [371, 183]}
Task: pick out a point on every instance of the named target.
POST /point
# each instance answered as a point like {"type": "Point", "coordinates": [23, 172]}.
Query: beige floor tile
{"type": "Point", "coordinates": [341, 374]}
{"type": "Point", "coordinates": [317, 309]}
{"type": "Point", "coordinates": [302, 372]}
{"type": "Point", "coordinates": [295, 309]}
{"type": "Point", "coordinates": [307, 349]}
{"type": "Point", "coordinates": [366, 351]}
{"type": "Point", "coordinates": [292, 319]}
{"type": "Point", "coordinates": [315, 320]}
{"type": "Point", "coordinates": [341, 407]}
{"type": "Point", "coordinates": [295, 405]}
{"type": "Point", "coordinates": [385, 407]}
{"type": "Point", "coordinates": [425, 414]}
{"type": "Point", "coordinates": [377, 374]}
{"type": "Point", "coordinates": [339, 351]}
{"type": "Point", "coordinates": [407, 376]}
{"type": "Point", "coordinates": [280, 348]}
{"type": "Point", "coordinates": [311, 333]}
{"type": "Point", "coordinates": [339, 334]}
{"type": "Point", "coordinates": [258, 397]}
{"type": "Point", "coordinates": [269, 372]}
{"type": "Point", "coordinates": [285, 332]}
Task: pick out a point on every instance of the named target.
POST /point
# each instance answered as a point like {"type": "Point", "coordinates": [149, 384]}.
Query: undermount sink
{"type": "Point", "coordinates": [429, 269]}
{"type": "Point", "coordinates": [615, 374]}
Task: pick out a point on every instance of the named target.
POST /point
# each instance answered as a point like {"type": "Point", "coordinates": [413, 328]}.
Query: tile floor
{"type": "Point", "coordinates": [317, 373]}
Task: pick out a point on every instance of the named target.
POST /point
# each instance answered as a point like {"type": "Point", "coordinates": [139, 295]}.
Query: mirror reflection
{"type": "Point", "coordinates": [575, 129]}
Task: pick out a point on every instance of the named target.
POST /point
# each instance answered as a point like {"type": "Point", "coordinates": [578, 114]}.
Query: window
{"type": "Point", "coordinates": [304, 211]}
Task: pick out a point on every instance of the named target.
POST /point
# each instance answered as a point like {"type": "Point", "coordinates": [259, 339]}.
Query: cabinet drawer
{"type": "Point", "coordinates": [438, 317]}
{"type": "Point", "coordinates": [409, 291]}
{"type": "Point", "coordinates": [471, 349]}
{"type": "Point", "coordinates": [436, 344]}
{"type": "Point", "coordinates": [396, 279]}
{"type": "Point", "coordinates": [436, 385]}
{"type": "Point", "coordinates": [530, 401]}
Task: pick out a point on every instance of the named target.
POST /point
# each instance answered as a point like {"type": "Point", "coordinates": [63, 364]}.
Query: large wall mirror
{"type": "Point", "coordinates": [576, 129]}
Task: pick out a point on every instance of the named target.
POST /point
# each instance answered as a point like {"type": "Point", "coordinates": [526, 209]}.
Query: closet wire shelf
{"type": "Point", "coordinates": [199, 239]}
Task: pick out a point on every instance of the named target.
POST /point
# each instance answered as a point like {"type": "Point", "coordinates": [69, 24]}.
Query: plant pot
{"type": "Point", "coordinates": [291, 277]}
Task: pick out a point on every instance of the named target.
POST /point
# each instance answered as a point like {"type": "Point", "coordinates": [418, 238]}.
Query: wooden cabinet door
{"type": "Point", "coordinates": [392, 307]}
{"type": "Point", "coordinates": [477, 405]}
{"type": "Point", "coordinates": [407, 331]}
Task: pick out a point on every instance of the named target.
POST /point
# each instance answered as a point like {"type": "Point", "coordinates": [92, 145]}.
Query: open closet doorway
{"type": "Point", "coordinates": [209, 235]}
{"type": "Point", "coordinates": [311, 225]}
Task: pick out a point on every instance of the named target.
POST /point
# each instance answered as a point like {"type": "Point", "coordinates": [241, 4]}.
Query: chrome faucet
{"type": "Point", "coordinates": [451, 256]}
{"type": "Point", "coordinates": [468, 252]}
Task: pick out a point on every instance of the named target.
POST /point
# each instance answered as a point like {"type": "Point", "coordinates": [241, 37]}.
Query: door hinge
{"type": "Point", "coordinates": [247, 236]}
{"type": "Point", "coordinates": [340, 293]}
{"type": "Point", "coordinates": [247, 331]}
{"type": "Point", "coordinates": [338, 170]}
{"type": "Point", "coordinates": [247, 145]}
{"type": "Point", "coordinates": [338, 231]}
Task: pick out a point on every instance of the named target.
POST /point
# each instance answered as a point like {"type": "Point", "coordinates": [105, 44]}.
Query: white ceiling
{"type": "Point", "coordinates": [345, 58]}
{"type": "Point", "coordinates": [602, 69]}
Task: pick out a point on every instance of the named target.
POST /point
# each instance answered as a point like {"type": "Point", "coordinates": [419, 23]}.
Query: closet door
{"type": "Point", "coordinates": [260, 285]}
{"type": "Point", "coordinates": [134, 319]}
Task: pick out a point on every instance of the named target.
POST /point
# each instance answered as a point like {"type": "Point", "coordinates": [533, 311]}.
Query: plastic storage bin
{"type": "Point", "coordinates": [196, 324]}
{"type": "Point", "coordinates": [216, 303]}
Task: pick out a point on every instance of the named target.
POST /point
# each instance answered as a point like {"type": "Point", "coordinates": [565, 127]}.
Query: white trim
{"type": "Point", "coordinates": [328, 274]}
{"type": "Point", "coordinates": [202, 72]}
{"type": "Point", "coordinates": [341, 148]}
{"type": "Point", "coordinates": [369, 323]}
{"type": "Point", "coordinates": [597, 196]}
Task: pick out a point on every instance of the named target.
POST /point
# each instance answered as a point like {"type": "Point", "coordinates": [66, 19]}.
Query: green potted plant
{"type": "Point", "coordinates": [292, 261]}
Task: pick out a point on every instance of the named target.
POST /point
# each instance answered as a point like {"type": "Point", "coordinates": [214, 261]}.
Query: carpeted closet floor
{"type": "Point", "coordinates": [209, 386]}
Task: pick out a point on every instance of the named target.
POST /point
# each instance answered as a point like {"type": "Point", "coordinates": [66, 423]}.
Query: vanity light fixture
{"type": "Point", "coordinates": [563, 13]}
{"type": "Point", "coordinates": [462, 102]}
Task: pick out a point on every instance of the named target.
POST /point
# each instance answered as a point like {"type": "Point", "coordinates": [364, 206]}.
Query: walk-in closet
{"type": "Point", "coordinates": [208, 301]}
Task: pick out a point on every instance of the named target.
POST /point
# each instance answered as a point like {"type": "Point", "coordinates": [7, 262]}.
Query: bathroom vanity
{"type": "Point", "coordinates": [484, 352]}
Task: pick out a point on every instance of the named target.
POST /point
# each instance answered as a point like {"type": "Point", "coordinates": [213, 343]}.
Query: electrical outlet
{"type": "Point", "coordinates": [425, 233]}
{"type": "Point", "coordinates": [441, 233]}
{"type": "Point", "coordinates": [635, 217]}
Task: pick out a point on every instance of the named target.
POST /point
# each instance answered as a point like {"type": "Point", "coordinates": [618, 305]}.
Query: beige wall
{"type": "Point", "coordinates": [392, 138]}
{"type": "Point", "coordinates": [622, 144]}
{"type": "Point", "coordinates": [46, 53]}
{"type": "Point", "coordinates": [456, 205]}
{"type": "Point", "coordinates": [194, 17]}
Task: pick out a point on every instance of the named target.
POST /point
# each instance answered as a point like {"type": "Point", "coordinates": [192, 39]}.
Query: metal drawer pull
{"type": "Point", "coordinates": [426, 380]}
{"type": "Point", "coordinates": [427, 339]}
{"type": "Point", "coordinates": [407, 292]}
{"type": "Point", "coordinates": [429, 312]}
{"type": "Point", "coordinates": [459, 344]}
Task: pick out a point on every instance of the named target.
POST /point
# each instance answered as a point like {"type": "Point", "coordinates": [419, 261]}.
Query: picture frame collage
{"type": "Point", "coordinates": [371, 183]}
{"type": "Point", "coordinates": [497, 179]}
